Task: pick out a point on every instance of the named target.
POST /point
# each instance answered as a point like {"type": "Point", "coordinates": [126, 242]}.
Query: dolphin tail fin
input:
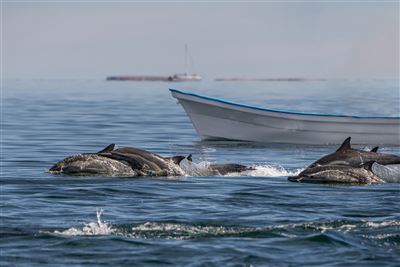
{"type": "Point", "coordinates": [107, 149]}
{"type": "Point", "coordinates": [375, 149]}
{"type": "Point", "coordinates": [345, 145]}
{"type": "Point", "coordinates": [189, 158]}
{"type": "Point", "coordinates": [368, 165]}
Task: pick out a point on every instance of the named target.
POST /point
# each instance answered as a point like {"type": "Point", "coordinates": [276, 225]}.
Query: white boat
{"type": "Point", "coordinates": [215, 118]}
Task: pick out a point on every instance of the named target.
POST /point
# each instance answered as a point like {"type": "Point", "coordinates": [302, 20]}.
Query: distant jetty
{"type": "Point", "coordinates": [140, 78]}
{"type": "Point", "coordinates": [269, 79]}
{"type": "Point", "coordinates": [171, 78]}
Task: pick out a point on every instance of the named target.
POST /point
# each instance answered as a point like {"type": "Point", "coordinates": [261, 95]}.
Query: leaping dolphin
{"type": "Point", "coordinates": [123, 161]}
{"type": "Point", "coordinates": [338, 174]}
{"type": "Point", "coordinates": [346, 155]}
{"type": "Point", "coordinates": [93, 164]}
{"type": "Point", "coordinates": [346, 165]}
{"type": "Point", "coordinates": [223, 169]}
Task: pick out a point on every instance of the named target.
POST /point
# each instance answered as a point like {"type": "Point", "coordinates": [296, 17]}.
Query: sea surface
{"type": "Point", "coordinates": [256, 219]}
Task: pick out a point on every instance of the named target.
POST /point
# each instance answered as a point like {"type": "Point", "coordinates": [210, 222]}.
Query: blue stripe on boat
{"type": "Point", "coordinates": [274, 110]}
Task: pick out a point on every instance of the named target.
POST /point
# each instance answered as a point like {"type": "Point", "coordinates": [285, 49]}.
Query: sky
{"type": "Point", "coordinates": [357, 40]}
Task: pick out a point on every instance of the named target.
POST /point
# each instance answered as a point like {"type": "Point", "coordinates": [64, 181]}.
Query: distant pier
{"type": "Point", "coordinates": [140, 78]}
{"type": "Point", "coordinates": [294, 79]}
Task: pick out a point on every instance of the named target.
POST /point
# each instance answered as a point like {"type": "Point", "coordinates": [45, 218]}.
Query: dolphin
{"type": "Point", "coordinates": [123, 161]}
{"type": "Point", "coordinates": [223, 169]}
{"type": "Point", "coordinates": [346, 155]}
{"type": "Point", "coordinates": [343, 174]}
{"type": "Point", "coordinates": [150, 163]}
{"type": "Point", "coordinates": [92, 164]}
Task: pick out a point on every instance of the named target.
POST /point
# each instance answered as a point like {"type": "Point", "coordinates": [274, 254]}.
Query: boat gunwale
{"type": "Point", "coordinates": [229, 102]}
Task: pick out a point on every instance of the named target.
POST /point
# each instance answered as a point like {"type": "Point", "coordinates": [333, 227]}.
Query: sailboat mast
{"type": "Point", "coordinates": [186, 58]}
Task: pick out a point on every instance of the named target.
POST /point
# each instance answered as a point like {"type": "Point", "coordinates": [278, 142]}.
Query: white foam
{"type": "Point", "coordinates": [382, 236]}
{"type": "Point", "coordinates": [91, 228]}
{"type": "Point", "coordinates": [268, 171]}
{"type": "Point", "coordinates": [388, 173]}
{"type": "Point", "coordinates": [196, 169]}
{"type": "Point", "coordinates": [202, 169]}
{"type": "Point", "coordinates": [382, 224]}
{"type": "Point", "coordinates": [179, 231]}
{"type": "Point", "coordinates": [182, 229]}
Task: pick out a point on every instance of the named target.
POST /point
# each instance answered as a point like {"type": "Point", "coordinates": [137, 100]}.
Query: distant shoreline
{"type": "Point", "coordinates": [170, 78]}
{"type": "Point", "coordinates": [140, 78]}
{"type": "Point", "coordinates": [270, 79]}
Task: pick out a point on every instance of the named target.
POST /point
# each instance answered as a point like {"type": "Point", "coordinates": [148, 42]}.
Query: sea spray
{"type": "Point", "coordinates": [388, 173]}
{"type": "Point", "coordinates": [196, 169]}
{"type": "Point", "coordinates": [92, 228]}
{"type": "Point", "coordinates": [267, 171]}
{"type": "Point", "coordinates": [182, 231]}
{"type": "Point", "coordinates": [203, 169]}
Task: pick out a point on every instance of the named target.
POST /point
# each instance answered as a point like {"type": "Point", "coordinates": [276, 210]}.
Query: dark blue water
{"type": "Point", "coordinates": [252, 220]}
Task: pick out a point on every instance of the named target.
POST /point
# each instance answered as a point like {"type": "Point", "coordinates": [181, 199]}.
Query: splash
{"type": "Point", "coordinates": [184, 231]}
{"type": "Point", "coordinates": [196, 169]}
{"type": "Point", "coordinates": [268, 171]}
{"type": "Point", "coordinates": [178, 231]}
{"type": "Point", "coordinates": [203, 169]}
{"type": "Point", "coordinates": [91, 228]}
{"type": "Point", "coordinates": [388, 173]}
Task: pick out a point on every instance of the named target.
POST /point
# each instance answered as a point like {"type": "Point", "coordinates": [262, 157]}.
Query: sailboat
{"type": "Point", "coordinates": [185, 76]}
{"type": "Point", "coordinates": [180, 77]}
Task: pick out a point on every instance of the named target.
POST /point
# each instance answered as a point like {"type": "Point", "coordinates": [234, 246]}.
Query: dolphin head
{"type": "Point", "coordinates": [56, 168]}
{"type": "Point", "coordinates": [59, 166]}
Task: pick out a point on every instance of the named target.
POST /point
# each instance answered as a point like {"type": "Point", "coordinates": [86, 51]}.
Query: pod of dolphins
{"type": "Point", "coordinates": [345, 166]}
{"type": "Point", "coordinates": [128, 161]}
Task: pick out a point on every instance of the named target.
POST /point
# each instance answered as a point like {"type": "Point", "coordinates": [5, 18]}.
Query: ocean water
{"type": "Point", "coordinates": [256, 219]}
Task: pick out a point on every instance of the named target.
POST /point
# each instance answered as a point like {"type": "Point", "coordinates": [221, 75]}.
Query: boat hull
{"type": "Point", "coordinates": [220, 119]}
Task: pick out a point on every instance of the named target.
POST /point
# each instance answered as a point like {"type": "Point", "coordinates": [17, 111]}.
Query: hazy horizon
{"type": "Point", "coordinates": [249, 40]}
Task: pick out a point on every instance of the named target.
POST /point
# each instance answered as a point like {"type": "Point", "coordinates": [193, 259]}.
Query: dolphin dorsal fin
{"type": "Point", "coordinates": [375, 149]}
{"type": "Point", "coordinates": [189, 158]}
{"type": "Point", "coordinates": [368, 165]}
{"type": "Point", "coordinates": [108, 148]}
{"type": "Point", "coordinates": [345, 145]}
